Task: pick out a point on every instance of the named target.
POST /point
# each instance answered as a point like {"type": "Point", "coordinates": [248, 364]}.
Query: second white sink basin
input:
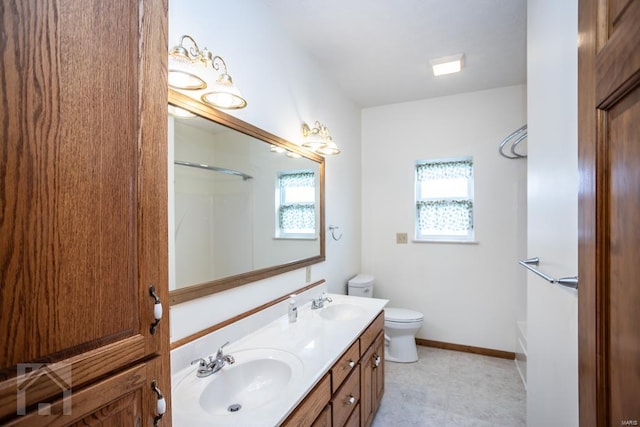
{"type": "Point", "coordinates": [258, 377]}
{"type": "Point", "coordinates": [341, 312]}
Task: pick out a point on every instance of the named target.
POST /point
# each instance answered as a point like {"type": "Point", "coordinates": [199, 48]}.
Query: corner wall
{"type": "Point", "coordinates": [470, 294]}
{"type": "Point", "coordinates": [283, 87]}
{"type": "Point", "coordinates": [552, 311]}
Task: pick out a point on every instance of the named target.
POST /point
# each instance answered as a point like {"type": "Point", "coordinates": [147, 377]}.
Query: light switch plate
{"type": "Point", "coordinates": [401, 238]}
{"type": "Point", "coordinates": [308, 273]}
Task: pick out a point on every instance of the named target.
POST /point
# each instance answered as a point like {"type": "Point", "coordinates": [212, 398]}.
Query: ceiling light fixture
{"type": "Point", "coordinates": [187, 65]}
{"type": "Point", "coordinates": [447, 65]}
{"type": "Point", "coordinates": [317, 139]}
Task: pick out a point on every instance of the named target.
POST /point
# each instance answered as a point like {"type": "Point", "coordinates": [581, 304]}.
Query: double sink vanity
{"type": "Point", "coordinates": [283, 365]}
{"type": "Point", "coordinates": [326, 368]}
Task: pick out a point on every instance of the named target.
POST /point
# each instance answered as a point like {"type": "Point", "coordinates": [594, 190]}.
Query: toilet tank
{"type": "Point", "coordinates": [361, 285]}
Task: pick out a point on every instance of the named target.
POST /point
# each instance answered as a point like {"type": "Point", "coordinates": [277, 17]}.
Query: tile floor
{"type": "Point", "coordinates": [452, 389]}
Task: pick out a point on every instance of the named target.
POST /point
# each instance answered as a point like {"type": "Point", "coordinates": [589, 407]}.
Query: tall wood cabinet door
{"type": "Point", "coordinates": [366, 388]}
{"type": "Point", "coordinates": [124, 399]}
{"type": "Point", "coordinates": [372, 380]}
{"type": "Point", "coordinates": [609, 159]}
{"type": "Point", "coordinates": [377, 363]}
{"type": "Point", "coordinates": [83, 195]}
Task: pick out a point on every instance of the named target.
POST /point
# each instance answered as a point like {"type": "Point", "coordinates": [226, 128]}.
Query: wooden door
{"type": "Point", "coordinates": [83, 197]}
{"type": "Point", "coordinates": [609, 226]}
{"type": "Point", "coordinates": [122, 399]}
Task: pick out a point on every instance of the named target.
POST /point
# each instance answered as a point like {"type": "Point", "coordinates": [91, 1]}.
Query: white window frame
{"type": "Point", "coordinates": [280, 201]}
{"type": "Point", "coordinates": [442, 237]}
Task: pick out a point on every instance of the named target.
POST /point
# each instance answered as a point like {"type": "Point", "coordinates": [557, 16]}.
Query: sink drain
{"type": "Point", "coordinates": [234, 408]}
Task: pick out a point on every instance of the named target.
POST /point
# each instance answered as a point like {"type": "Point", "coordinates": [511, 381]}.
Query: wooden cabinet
{"type": "Point", "coordinates": [83, 211]}
{"type": "Point", "coordinates": [372, 363]}
{"type": "Point", "coordinates": [313, 407]}
{"type": "Point", "coordinates": [120, 400]}
{"type": "Point", "coordinates": [324, 419]}
{"type": "Point", "coordinates": [354, 419]}
{"type": "Point", "coordinates": [349, 395]}
{"type": "Point", "coordinates": [346, 398]}
{"type": "Point", "coordinates": [345, 365]}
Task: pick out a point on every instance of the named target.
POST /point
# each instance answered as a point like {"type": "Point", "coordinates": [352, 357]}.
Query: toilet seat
{"type": "Point", "coordinates": [402, 315]}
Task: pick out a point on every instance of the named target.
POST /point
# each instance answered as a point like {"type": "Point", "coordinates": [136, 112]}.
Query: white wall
{"type": "Point", "coordinates": [468, 293]}
{"type": "Point", "coordinates": [283, 87]}
{"type": "Point", "coordinates": [552, 367]}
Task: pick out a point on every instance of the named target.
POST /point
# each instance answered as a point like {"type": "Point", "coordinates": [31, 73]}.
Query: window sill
{"type": "Point", "coordinates": [462, 242]}
{"type": "Point", "coordinates": [295, 238]}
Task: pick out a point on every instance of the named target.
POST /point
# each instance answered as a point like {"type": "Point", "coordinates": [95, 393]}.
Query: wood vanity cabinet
{"type": "Point", "coordinates": [324, 419]}
{"type": "Point", "coordinates": [83, 212]}
{"type": "Point", "coordinates": [314, 407]}
{"type": "Point", "coordinates": [372, 366]}
{"type": "Point", "coordinates": [346, 399]}
{"type": "Point", "coordinates": [350, 393]}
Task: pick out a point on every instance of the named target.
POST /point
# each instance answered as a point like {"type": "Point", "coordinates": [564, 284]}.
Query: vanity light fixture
{"type": "Point", "coordinates": [180, 112]}
{"type": "Point", "coordinates": [331, 149]}
{"type": "Point", "coordinates": [277, 149]}
{"type": "Point", "coordinates": [317, 139]}
{"type": "Point", "coordinates": [187, 66]}
{"type": "Point", "coordinates": [447, 65]}
{"type": "Point", "coordinates": [293, 155]}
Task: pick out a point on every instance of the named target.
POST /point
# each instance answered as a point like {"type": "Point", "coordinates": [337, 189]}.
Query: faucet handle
{"type": "Point", "coordinates": [326, 297]}
{"type": "Point", "coordinates": [220, 353]}
{"type": "Point", "coordinates": [201, 360]}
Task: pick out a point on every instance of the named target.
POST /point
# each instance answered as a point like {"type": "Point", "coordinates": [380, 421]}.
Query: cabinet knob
{"type": "Point", "coordinates": [351, 364]}
{"type": "Point", "coordinates": [376, 360]}
{"type": "Point", "coordinates": [350, 400]}
{"type": "Point", "coordinates": [161, 404]}
{"type": "Point", "coordinates": [157, 309]}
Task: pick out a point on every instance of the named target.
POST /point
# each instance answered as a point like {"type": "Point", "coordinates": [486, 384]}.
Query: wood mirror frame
{"type": "Point", "coordinates": [199, 290]}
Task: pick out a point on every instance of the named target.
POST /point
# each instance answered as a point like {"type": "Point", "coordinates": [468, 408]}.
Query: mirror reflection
{"type": "Point", "coordinates": [244, 208]}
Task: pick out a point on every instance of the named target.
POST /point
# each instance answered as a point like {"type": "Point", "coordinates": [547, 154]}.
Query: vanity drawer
{"type": "Point", "coordinates": [312, 405]}
{"type": "Point", "coordinates": [344, 366]}
{"type": "Point", "coordinates": [372, 331]}
{"type": "Point", "coordinates": [346, 398]}
{"type": "Point", "coordinates": [354, 419]}
{"type": "Point", "coordinates": [324, 420]}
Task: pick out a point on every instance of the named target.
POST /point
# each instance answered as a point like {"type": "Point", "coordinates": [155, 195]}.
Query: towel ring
{"type": "Point", "coordinates": [332, 229]}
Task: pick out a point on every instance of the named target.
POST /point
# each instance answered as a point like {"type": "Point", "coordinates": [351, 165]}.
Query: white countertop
{"type": "Point", "coordinates": [314, 340]}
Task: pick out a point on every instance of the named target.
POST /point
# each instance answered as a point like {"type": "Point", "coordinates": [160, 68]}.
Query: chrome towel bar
{"type": "Point", "coordinates": [569, 282]}
{"type": "Point", "coordinates": [514, 139]}
{"type": "Point", "coordinates": [213, 168]}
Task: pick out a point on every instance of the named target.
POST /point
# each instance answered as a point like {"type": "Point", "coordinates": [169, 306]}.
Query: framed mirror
{"type": "Point", "coordinates": [247, 204]}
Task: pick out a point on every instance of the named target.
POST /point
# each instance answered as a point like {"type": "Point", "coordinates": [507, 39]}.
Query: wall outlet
{"type": "Point", "coordinates": [401, 238]}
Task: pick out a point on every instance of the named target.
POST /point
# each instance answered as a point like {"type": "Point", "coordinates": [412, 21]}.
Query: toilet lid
{"type": "Point", "coordinates": [361, 280]}
{"type": "Point", "coordinates": [402, 315]}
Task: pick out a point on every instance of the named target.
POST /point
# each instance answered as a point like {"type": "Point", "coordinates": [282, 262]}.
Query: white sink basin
{"type": "Point", "coordinates": [341, 312]}
{"type": "Point", "coordinates": [257, 378]}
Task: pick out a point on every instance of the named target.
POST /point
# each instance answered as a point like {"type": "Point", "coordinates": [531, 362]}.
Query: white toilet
{"type": "Point", "coordinates": [400, 324]}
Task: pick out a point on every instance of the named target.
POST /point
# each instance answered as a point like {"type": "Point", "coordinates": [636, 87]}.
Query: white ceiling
{"type": "Point", "coordinates": [378, 51]}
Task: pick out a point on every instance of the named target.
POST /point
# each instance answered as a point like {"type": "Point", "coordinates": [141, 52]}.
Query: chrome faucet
{"type": "Point", "coordinates": [213, 365]}
{"type": "Point", "coordinates": [319, 302]}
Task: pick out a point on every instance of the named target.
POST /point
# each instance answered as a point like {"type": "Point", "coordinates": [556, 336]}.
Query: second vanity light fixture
{"type": "Point", "coordinates": [188, 64]}
{"type": "Point", "coordinates": [317, 139]}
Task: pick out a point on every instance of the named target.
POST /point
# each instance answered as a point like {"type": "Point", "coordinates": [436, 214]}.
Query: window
{"type": "Point", "coordinates": [295, 202]}
{"type": "Point", "coordinates": [444, 199]}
